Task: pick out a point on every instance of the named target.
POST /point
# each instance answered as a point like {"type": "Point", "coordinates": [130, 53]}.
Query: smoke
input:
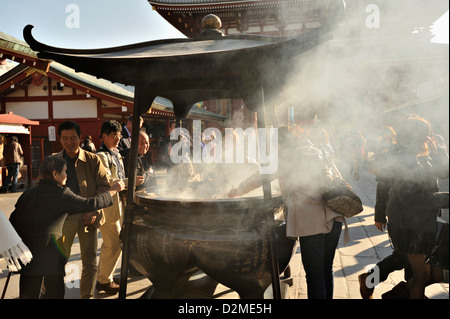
{"type": "Point", "coordinates": [206, 181]}
{"type": "Point", "coordinates": [379, 67]}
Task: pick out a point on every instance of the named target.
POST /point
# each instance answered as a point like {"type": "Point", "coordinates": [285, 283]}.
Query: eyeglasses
{"type": "Point", "coordinates": [115, 135]}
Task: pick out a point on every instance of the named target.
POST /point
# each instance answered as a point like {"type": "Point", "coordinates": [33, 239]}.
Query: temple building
{"type": "Point", "coordinates": [275, 17]}
{"type": "Point", "coordinates": [379, 65]}
{"type": "Point", "coordinates": [48, 93]}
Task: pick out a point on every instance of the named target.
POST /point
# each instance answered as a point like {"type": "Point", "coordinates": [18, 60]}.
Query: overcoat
{"type": "Point", "coordinates": [38, 218]}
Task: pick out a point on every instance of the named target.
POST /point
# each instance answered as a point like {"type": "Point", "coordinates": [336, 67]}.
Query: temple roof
{"type": "Point", "coordinates": [8, 42]}
{"type": "Point", "coordinates": [11, 118]}
{"type": "Point", "coordinates": [188, 3]}
{"type": "Point", "coordinates": [186, 71]}
{"type": "Point", "coordinates": [397, 16]}
{"type": "Point", "coordinates": [17, 50]}
{"type": "Point", "coordinates": [116, 90]}
{"type": "Point", "coordinates": [10, 46]}
{"type": "Point", "coordinates": [101, 85]}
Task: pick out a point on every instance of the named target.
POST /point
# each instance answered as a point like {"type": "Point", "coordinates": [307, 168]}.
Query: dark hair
{"type": "Point", "coordinates": [49, 164]}
{"type": "Point", "coordinates": [413, 132]}
{"type": "Point", "coordinates": [110, 126]}
{"type": "Point", "coordinates": [69, 125]}
{"type": "Point", "coordinates": [130, 119]}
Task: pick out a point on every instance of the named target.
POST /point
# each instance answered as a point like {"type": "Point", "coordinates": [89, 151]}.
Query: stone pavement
{"type": "Point", "coordinates": [367, 246]}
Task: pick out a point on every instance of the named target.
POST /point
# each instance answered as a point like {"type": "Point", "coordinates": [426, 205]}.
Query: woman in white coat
{"type": "Point", "coordinates": [302, 174]}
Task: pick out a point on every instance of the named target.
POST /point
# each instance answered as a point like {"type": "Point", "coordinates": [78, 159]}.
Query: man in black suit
{"type": "Point", "coordinates": [125, 141]}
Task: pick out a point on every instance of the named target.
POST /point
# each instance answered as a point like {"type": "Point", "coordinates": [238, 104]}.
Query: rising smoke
{"type": "Point", "coordinates": [377, 69]}
{"type": "Point", "coordinates": [374, 71]}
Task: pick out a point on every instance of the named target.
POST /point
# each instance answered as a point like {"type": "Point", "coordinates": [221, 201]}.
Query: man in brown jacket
{"type": "Point", "coordinates": [87, 177]}
{"type": "Point", "coordinates": [12, 154]}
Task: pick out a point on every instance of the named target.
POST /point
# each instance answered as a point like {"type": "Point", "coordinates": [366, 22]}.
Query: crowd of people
{"type": "Point", "coordinates": [78, 193]}
{"type": "Point", "coordinates": [408, 161]}
{"type": "Point", "coordinates": [81, 191]}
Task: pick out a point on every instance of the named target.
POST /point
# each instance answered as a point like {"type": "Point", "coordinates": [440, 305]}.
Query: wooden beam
{"type": "Point", "coordinates": [37, 63]}
{"type": "Point", "coordinates": [7, 84]}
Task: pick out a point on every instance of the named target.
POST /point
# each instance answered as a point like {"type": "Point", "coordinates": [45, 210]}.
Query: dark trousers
{"type": "Point", "coordinates": [30, 287]}
{"type": "Point", "coordinates": [13, 173]}
{"type": "Point", "coordinates": [393, 262]}
{"type": "Point", "coordinates": [317, 257]}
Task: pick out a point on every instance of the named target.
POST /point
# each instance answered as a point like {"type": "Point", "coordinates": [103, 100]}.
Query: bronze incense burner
{"type": "Point", "coordinates": [172, 239]}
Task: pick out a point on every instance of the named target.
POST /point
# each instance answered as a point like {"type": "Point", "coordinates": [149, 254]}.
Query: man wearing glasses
{"type": "Point", "coordinates": [110, 250]}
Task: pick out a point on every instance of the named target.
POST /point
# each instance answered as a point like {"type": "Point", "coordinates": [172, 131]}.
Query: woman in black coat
{"type": "Point", "coordinates": [414, 200]}
{"type": "Point", "coordinates": [38, 219]}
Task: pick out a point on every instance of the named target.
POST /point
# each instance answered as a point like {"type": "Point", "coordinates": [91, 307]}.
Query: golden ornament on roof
{"type": "Point", "coordinates": [211, 21]}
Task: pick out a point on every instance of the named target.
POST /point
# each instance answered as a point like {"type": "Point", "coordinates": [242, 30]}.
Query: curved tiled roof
{"type": "Point", "coordinates": [10, 43]}
{"type": "Point", "coordinates": [197, 2]}
{"type": "Point", "coordinates": [88, 80]}
{"type": "Point", "coordinates": [11, 118]}
{"type": "Point", "coordinates": [189, 3]}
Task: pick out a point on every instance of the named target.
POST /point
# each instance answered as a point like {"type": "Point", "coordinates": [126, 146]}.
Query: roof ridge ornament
{"type": "Point", "coordinates": [211, 25]}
